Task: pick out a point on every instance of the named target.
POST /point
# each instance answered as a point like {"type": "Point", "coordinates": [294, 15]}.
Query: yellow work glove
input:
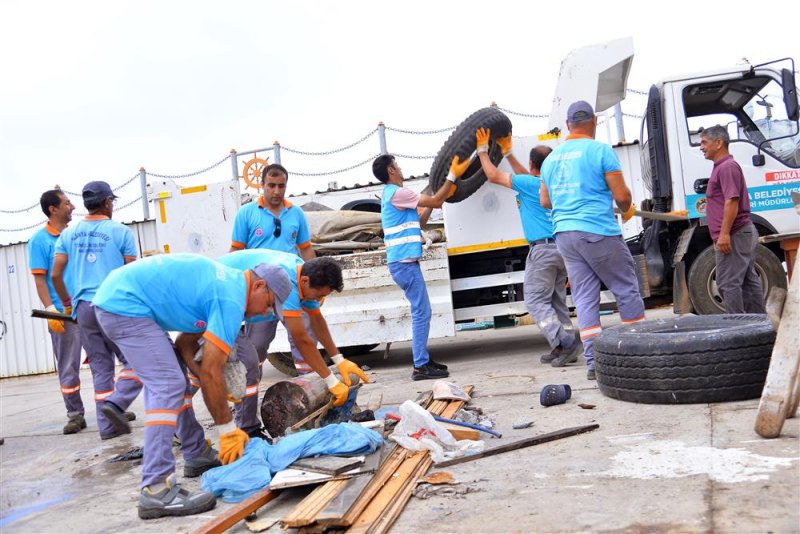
{"type": "Point", "coordinates": [231, 442]}
{"type": "Point", "coordinates": [505, 144]}
{"type": "Point", "coordinates": [482, 136]}
{"type": "Point", "coordinates": [630, 213]}
{"type": "Point", "coordinates": [55, 325]}
{"type": "Point", "coordinates": [346, 367]}
{"type": "Point", "coordinates": [337, 389]}
{"type": "Point", "coordinates": [457, 168]}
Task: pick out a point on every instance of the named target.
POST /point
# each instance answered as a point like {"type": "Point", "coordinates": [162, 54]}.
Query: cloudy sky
{"type": "Point", "coordinates": [96, 90]}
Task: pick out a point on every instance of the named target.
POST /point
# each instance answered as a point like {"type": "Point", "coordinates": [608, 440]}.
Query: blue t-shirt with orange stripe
{"type": "Point", "coordinates": [575, 176]}
{"type": "Point", "coordinates": [94, 247]}
{"type": "Point", "coordinates": [41, 251]}
{"type": "Point", "coordinates": [255, 227]}
{"type": "Point", "coordinates": [182, 293]}
{"type": "Point", "coordinates": [295, 303]}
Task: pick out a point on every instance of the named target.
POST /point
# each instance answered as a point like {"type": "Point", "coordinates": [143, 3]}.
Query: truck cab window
{"type": "Point", "coordinates": [753, 111]}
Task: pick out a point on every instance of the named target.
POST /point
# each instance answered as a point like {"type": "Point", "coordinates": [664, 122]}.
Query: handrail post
{"type": "Point", "coordinates": [276, 147]}
{"type": "Point", "coordinates": [234, 164]}
{"type": "Point", "coordinates": [382, 137]}
{"type": "Point", "coordinates": [143, 185]}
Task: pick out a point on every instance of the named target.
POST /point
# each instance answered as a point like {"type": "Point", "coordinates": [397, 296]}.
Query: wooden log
{"type": "Point", "coordinates": [233, 515]}
{"type": "Point", "coordinates": [527, 442]}
{"type": "Point", "coordinates": [779, 397]}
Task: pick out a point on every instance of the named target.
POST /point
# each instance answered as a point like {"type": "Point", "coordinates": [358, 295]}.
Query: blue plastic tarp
{"type": "Point", "coordinates": [253, 471]}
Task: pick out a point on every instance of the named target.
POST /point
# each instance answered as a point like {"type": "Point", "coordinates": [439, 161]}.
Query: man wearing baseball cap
{"type": "Point", "coordinates": [312, 281]}
{"type": "Point", "coordinates": [135, 306]}
{"type": "Point", "coordinates": [580, 178]}
{"type": "Point", "coordinates": [93, 248]}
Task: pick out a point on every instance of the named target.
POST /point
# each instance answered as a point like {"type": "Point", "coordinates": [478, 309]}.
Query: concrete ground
{"type": "Point", "coordinates": [648, 468]}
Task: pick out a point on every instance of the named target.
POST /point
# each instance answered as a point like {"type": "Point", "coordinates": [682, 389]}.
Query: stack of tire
{"type": "Point", "coordinates": [462, 143]}
{"type": "Point", "coordinates": [685, 360]}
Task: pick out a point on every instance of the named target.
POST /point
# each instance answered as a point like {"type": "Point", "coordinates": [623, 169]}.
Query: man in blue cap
{"type": "Point", "coordinates": [580, 178]}
{"type": "Point", "coordinates": [136, 306]}
{"type": "Point", "coordinates": [93, 248]}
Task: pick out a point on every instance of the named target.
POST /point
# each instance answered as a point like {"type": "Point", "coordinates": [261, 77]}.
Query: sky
{"type": "Point", "coordinates": [93, 90]}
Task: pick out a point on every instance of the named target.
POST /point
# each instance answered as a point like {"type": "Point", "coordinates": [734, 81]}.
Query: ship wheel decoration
{"type": "Point", "coordinates": [252, 172]}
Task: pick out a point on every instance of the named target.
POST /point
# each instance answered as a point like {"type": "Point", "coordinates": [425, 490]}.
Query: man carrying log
{"type": "Point", "coordinates": [311, 282]}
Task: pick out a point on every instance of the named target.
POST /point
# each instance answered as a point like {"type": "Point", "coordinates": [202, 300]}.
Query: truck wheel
{"type": "Point", "coordinates": [355, 350]}
{"type": "Point", "coordinates": [702, 280]}
{"type": "Point", "coordinates": [685, 360]}
{"type": "Point", "coordinates": [462, 143]}
{"type": "Point", "coordinates": [283, 362]}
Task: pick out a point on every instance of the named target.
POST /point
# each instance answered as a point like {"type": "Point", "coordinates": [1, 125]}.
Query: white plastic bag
{"type": "Point", "coordinates": [418, 430]}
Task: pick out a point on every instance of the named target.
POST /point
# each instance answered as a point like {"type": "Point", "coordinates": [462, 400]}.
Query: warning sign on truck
{"type": "Point", "coordinates": [783, 176]}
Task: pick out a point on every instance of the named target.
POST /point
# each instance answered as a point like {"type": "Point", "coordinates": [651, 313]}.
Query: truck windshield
{"type": "Point", "coordinates": [753, 111]}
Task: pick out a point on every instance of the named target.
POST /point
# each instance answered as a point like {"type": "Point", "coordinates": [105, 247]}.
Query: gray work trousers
{"type": "Point", "coordinates": [592, 260]}
{"type": "Point", "coordinates": [545, 289]}
{"type": "Point", "coordinates": [737, 280]}
{"type": "Point", "coordinates": [67, 349]}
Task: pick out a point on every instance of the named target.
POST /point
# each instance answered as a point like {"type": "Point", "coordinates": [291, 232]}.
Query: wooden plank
{"type": "Point", "coordinates": [340, 504]}
{"type": "Point", "coordinates": [527, 442]}
{"type": "Point", "coordinates": [233, 515]}
{"type": "Point", "coordinates": [461, 432]}
{"type": "Point", "coordinates": [306, 510]}
{"type": "Point", "coordinates": [392, 512]}
{"type": "Point", "coordinates": [330, 465]}
{"type": "Point", "coordinates": [778, 399]}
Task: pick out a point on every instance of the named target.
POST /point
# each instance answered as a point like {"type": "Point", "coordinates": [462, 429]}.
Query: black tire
{"type": "Point", "coordinates": [702, 279]}
{"type": "Point", "coordinates": [462, 143]}
{"type": "Point", "coordinates": [685, 360]}
{"type": "Point", "coordinates": [355, 350]}
{"type": "Point", "coordinates": [283, 362]}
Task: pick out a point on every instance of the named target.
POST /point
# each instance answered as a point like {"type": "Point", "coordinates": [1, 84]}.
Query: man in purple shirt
{"type": "Point", "coordinates": [735, 237]}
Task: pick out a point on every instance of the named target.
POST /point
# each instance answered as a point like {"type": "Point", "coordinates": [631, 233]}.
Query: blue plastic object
{"type": "Point", "coordinates": [253, 471]}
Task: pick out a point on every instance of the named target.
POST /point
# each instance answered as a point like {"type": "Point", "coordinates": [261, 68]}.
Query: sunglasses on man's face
{"type": "Point", "coordinates": [277, 232]}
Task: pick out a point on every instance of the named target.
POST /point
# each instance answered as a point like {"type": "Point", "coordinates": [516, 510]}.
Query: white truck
{"type": "Point", "coordinates": [477, 273]}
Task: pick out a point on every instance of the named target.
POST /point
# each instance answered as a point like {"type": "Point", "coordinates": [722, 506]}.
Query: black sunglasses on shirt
{"type": "Point", "coordinates": [277, 232]}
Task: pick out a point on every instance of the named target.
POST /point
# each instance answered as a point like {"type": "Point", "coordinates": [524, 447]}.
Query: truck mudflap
{"type": "Point", "coordinates": [372, 309]}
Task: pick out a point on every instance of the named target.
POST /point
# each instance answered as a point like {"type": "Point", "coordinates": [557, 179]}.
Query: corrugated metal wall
{"type": "Point", "coordinates": [25, 347]}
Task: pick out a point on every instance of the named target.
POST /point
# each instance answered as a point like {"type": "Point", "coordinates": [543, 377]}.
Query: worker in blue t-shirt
{"type": "Point", "coordinates": [580, 179]}
{"type": "Point", "coordinates": [91, 249]}
{"type": "Point", "coordinates": [545, 279]}
{"type": "Point", "coordinates": [274, 223]}
{"type": "Point", "coordinates": [65, 335]}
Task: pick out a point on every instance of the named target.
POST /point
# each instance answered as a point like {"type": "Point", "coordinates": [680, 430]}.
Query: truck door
{"type": "Point", "coordinates": [750, 104]}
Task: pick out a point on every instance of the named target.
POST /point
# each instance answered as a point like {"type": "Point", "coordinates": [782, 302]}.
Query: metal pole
{"type": "Point", "coordinates": [276, 146]}
{"type": "Point", "coordinates": [143, 184]}
{"type": "Point", "coordinates": [382, 137]}
{"type": "Point", "coordinates": [607, 123]}
{"type": "Point", "coordinates": [234, 164]}
{"type": "Point", "coordinates": [620, 126]}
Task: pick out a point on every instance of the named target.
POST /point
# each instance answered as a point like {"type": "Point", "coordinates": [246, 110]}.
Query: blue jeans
{"type": "Point", "coordinates": [409, 277]}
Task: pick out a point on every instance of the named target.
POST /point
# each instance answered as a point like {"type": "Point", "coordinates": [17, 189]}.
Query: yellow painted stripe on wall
{"type": "Point", "coordinates": [162, 210]}
{"type": "Point", "coordinates": [487, 246]}
{"type": "Point", "coordinates": [195, 189]}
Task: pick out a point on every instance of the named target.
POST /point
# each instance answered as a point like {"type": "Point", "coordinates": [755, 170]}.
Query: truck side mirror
{"type": "Point", "coordinates": [759, 160]}
{"type": "Point", "coordinates": [790, 94]}
{"type": "Point", "coordinates": [700, 186]}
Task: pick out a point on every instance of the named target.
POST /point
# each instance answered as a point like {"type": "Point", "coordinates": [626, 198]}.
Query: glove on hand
{"type": "Point", "coordinates": [345, 367]}
{"type": "Point", "coordinates": [482, 136]}
{"type": "Point", "coordinates": [457, 168]}
{"type": "Point", "coordinates": [337, 389]}
{"type": "Point", "coordinates": [630, 213]}
{"type": "Point", "coordinates": [55, 325]}
{"type": "Point", "coordinates": [231, 444]}
{"type": "Point", "coordinates": [505, 144]}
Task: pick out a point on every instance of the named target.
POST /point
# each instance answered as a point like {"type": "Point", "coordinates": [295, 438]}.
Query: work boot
{"type": "Point", "coordinates": [555, 353]}
{"type": "Point", "coordinates": [568, 354]}
{"type": "Point", "coordinates": [172, 500]}
{"type": "Point", "coordinates": [75, 424]}
{"type": "Point", "coordinates": [437, 365]}
{"type": "Point", "coordinates": [117, 418]}
{"type": "Point", "coordinates": [130, 416]}
{"type": "Point", "coordinates": [428, 372]}
{"type": "Point", "coordinates": [590, 375]}
{"type": "Point", "coordinates": [194, 467]}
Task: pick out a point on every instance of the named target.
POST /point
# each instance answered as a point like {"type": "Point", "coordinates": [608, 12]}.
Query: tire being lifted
{"type": "Point", "coordinates": [685, 360]}
{"type": "Point", "coordinates": [462, 143]}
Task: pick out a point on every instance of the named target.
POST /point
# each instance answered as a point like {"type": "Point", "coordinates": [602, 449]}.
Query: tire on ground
{"type": "Point", "coordinates": [685, 360]}
{"type": "Point", "coordinates": [283, 362]}
{"type": "Point", "coordinates": [702, 278]}
{"type": "Point", "coordinates": [462, 143]}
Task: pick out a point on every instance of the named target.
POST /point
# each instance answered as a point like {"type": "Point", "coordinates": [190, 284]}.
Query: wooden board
{"type": "Point", "coordinates": [330, 465]}
{"type": "Point", "coordinates": [306, 511]}
{"type": "Point", "coordinates": [233, 515]}
{"type": "Point", "coordinates": [527, 442]}
{"type": "Point", "coordinates": [779, 397]}
{"type": "Point", "coordinates": [461, 432]}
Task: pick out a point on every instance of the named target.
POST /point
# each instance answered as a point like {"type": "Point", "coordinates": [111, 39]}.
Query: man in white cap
{"type": "Point", "coordinates": [580, 178]}
{"type": "Point", "coordinates": [135, 306]}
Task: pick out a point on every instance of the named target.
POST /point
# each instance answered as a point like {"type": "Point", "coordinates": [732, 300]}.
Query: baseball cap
{"type": "Point", "coordinates": [278, 282]}
{"type": "Point", "coordinates": [579, 111]}
{"type": "Point", "coordinates": [97, 191]}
